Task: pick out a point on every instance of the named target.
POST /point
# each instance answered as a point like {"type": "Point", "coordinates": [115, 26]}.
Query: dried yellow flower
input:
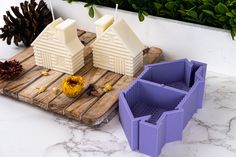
{"type": "Point", "coordinates": [45, 73]}
{"type": "Point", "coordinates": [41, 90]}
{"type": "Point", "coordinates": [107, 87]}
{"type": "Point", "coordinates": [72, 85]}
{"type": "Point", "coordinates": [55, 90]}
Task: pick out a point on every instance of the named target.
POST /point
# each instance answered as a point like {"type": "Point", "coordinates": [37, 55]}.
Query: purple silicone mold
{"type": "Point", "coordinates": [157, 106]}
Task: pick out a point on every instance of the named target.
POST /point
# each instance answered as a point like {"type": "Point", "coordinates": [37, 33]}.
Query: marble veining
{"type": "Point", "coordinates": [27, 131]}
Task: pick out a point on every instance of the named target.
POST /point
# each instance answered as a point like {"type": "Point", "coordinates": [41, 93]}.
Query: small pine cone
{"type": "Point", "coordinates": [10, 69]}
{"type": "Point", "coordinates": [26, 22]}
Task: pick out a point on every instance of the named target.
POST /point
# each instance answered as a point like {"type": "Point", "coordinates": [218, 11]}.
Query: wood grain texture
{"type": "Point", "coordinates": [80, 32]}
{"type": "Point", "coordinates": [84, 102]}
{"type": "Point", "coordinates": [49, 97]}
{"type": "Point", "coordinates": [28, 93]}
{"type": "Point", "coordinates": [23, 55]}
{"type": "Point", "coordinates": [26, 65]}
{"type": "Point", "coordinates": [14, 87]}
{"type": "Point", "coordinates": [87, 37]}
{"type": "Point", "coordinates": [106, 101]}
{"type": "Point", "coordinates": [42, 100]}
{"type": "Point", "coordinates": [151, 55]}
{"type": "Point", "coordinates": [62, 101]}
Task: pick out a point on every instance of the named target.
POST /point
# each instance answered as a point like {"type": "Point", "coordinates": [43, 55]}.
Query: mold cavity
{"type": "Point", "coordinates": [146, 98]}
{"type": "Point", "coordinates": [176, 74]}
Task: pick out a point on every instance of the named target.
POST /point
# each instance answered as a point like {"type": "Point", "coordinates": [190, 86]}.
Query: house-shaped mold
{"type": "Point", "coordinates": [59, 48]}
{"type": "Point", "coordinates": [117, 48]}
{"type": "Point", "coordinates": [157, 106]}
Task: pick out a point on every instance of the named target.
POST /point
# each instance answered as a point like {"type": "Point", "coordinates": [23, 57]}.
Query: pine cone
{"type": "Point", "coordinates": [10, 69]}
{"type": "Point", "coordinates": [25, 26]}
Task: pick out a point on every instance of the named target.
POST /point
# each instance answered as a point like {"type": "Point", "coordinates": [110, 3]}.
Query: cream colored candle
{"type": "Point", "coordinates": [59, 48]}
{"type": "Point", "coordinates": [103, 23]}
{"type": "Point", "coordinates": [117, 48]}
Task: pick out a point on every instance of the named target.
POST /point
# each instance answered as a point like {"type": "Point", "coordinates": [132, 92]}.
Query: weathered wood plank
{"type": "Point", "coordinates": [42, 100]}
{"type": "Point", "coordinates": [151, 55]}
{"type": "Point", "coordinates": [14, 87]}
{"type": "Point", "coordinates": [87, 49]}
{"type": "Point", "coordinates": [62, 101]}
{"type": "Point", "coordinates": [23, 55]}
{"type": "Point", "coordinates": [45, 98]}
{"type": "Point", "coordinates": [106, 101]}
{"type": "Point", "coordinates": [80, 32]}
{"type": "Point", "coordinates": [27, 65]}
{"type": "Point", "coordinates": [84, 102]}
{"type": "Point", "coordinates": [87, 37]}
{"type": "Point", "coordinates": [31, 91]}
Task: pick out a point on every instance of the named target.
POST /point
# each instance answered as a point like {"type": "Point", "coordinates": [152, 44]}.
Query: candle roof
{"type": "Point", "coordinates": [62, 34]}
{"type": "Point", "coordinates": [127, 36]}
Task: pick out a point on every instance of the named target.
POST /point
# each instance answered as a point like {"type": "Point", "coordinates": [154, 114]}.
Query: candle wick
{"type": "Point", "coordinates": [117, 5]}
{"type": "Point", "coordinates": [50, 3]}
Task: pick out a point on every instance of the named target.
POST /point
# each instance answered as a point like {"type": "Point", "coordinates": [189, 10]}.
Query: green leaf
{"type": "Point", "coordinates": [233, 12]}
{"type": "Point", "coordinates": [134, 6]}
{"type": "Point", "coordinates": [232, 23]}
{"type": "Point", "coordinates": [87, 5]}
{"type": "Point", "coordinates": [192, 14]}
{"type": "Point", "coordinates": [145, 13]}
{"type": "Point", "coordinates": [91, 12]}
{"type": "Point", "coordinates": [222, 18]}
{"type": "Point", "coordinates": [182, 12]}
{"type": "Point", "coordinates": [229, 14]}
{"type": "Point", "coordinates": [157, 5]}
{"type": "Point", "coordinates": [141, 17]}
{"type": "Point", "coordinates": [233, 34]}
{"type": "Point", "coordinates": [170, 5]}
{"type": "Point", "coordinates": [232, 3]}
{"type": "Point", "coordinates": [221, 8]}
{"type": "Point", "coordinates": [69, 1]}
{"type": "Point", "coordinates": [208, 12]}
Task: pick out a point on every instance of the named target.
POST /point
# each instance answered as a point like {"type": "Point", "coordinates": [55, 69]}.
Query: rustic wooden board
{"type": "Point", "coordinates": [87, 109]}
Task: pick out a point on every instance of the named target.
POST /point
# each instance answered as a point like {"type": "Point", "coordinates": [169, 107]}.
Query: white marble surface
{"type": "Point", "coordinates": [27, 131]}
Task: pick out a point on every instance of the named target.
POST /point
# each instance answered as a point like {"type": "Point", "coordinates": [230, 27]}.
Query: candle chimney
{"type": "Point", "coordinates": [103, 23]}
{"type": "Point", "coordinates": [67, 30]}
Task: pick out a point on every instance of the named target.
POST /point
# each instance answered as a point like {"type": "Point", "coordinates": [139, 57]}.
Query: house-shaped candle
{"type": "Point", "coordinates": [59, 48]}
{"type": "Point", "coordinates": [117, 48]}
